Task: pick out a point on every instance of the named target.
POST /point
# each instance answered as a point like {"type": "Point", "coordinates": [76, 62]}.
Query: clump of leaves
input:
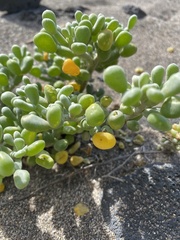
{"type": "Point", "coordinates": [44, 121]}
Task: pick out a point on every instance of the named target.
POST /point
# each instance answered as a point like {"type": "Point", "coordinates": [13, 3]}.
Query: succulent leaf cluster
{"type": "Point", "coordinates": [47, 100]}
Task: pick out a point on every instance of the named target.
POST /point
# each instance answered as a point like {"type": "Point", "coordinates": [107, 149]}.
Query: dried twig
{"type": "Point", "coordinates": [126, 161]}
{"type": "Point", "coordinates": [71, 174]}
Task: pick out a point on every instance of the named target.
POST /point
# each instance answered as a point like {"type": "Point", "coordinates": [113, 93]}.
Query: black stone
{"type": "Point", "coordinates": [71, 10]}
{"type": "Point", "coordinates": [130, 9]}
{"type": "Point", "coordinates": [12, 6]}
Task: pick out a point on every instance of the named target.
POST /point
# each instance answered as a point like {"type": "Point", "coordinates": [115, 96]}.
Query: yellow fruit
{"type": "Point", "coordinates": [69, 67]}
{"type": "Point", "coordinates": [76, 160]}
{"type": "Point", "coordinates": [61, 157]}
{"type": "Point", "coordinates": [75, 85]}
{"type": "Point", "coordinates": [104, 140]}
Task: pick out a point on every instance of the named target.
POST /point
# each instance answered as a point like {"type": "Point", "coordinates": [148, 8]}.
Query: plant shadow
{"type": "Point", "coordinates": [145, 204]}
{"type": "Point", "coordinates": [49, 214]}
{"type": "Point", "coordinates": [145, 198]}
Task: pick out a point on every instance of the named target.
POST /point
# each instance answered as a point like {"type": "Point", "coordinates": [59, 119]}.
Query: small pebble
{"type": "Point", "coordinates": [170, 49]}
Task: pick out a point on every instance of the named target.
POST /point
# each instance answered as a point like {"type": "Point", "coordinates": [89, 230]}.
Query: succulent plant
{"type": "Point", "coordinates": [48, 103]}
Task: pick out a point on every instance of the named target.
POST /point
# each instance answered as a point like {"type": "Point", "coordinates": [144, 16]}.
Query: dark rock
{"type": "Point", "coordinates": [12, 6]}
{"type": "Point", "coordinates": [71, 10]}
{"type": "Point", "coordinates": [130, 9]}
{"type": "Point", "coordinates": [33, 14]}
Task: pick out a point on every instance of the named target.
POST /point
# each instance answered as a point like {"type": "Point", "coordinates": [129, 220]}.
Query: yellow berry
{"type": "Point", "coordinates": [75, 85]}
{"type": "Point", "coordinates": [69, 67]}
{"type": "Point", "coordinates": [61, 157]}
{"type": "Point", "coordinates": [104, 140]}
{"type": "Point", "coordinates": [76, 160]}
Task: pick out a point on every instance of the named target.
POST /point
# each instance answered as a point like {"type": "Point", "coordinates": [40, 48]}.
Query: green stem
{"type": "Point", "coordinates": [139, 110]}
{"type": "Point", "coordinates": [88, 60]}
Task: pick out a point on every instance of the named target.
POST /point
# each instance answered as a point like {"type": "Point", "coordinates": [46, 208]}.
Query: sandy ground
{"type": "Point", "coordinates": [138, 207]}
